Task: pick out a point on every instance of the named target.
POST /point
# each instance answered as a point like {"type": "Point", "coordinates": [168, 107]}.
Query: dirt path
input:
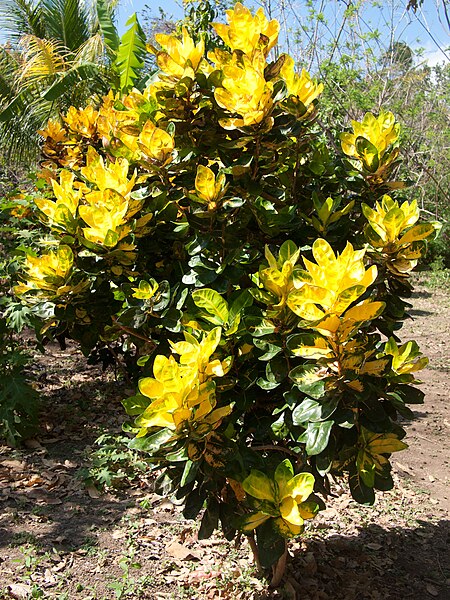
{"type": "Point", "coordinates": [427, 460]}
{"type": "Point", "coordinates": [61, 540]}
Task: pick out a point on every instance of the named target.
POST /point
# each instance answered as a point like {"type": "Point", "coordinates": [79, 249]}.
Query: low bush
{"type": "Point", "coordinates": [258, 272]}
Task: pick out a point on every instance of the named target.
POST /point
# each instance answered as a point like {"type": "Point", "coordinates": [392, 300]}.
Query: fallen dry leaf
{"type": "Point", "coordinates": [432, 590]}
{"type": "Point", "coordinates": [19, 590]}
{"type": "Point", "coordinates": [118, 534]}
{"type": "Point", "coordinates": [177, 550]}
{"type": "Point", "coordinates": [93, 492]}
{"type": "Point", "coordinates": [14, 464]}
{"type": "Point", "coordinates": [374, 546]}
{"type": "Point", "coordinates": [33, 444]}
{"type": "Point", "coordinates": [200, 575]}
{"type": "Point", "coordinates": [41, 495]}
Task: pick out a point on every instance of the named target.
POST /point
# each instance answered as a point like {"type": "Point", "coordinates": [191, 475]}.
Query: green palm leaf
{"type": "Point", "coordinates": [68, 22]}
{"type": "Point", "coordinates": [107, 27]}
{"type": "Point", "coordinates": [21, 17]}
{"type": "Point", "coordinates": [130, 54]}
{"type": "Point", "coordinates": [67, 81]}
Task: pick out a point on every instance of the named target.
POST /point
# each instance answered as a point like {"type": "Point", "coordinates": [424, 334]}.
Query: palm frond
{"type": "Point", "coordinates": [67, 83]}
{"type": "Point", "coordinates": [105, 14]}
{"type": "Point", "coordinates": [42, 59]}
{"type": "Point", "coordinates": [67, 21]}
{"type": "Point", "coordinates": [93, 50]}
{"type": "Point", "coordinates": [19, 140]}
{"type": "Point", "coordinates": [21, 17]}
{"type": "Point", "coordinates": [8, 71]}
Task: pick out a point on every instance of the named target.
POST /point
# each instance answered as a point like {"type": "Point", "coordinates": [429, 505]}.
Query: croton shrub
{"type": "Point", "coordinates": [257, 269]}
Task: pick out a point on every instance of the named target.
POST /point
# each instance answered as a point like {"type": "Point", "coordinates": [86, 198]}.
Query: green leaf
{"type": "Point", "coordinates": [284, 473]}
{"type": "Point", "coordinates": [135, 405]}
{"type": "Point", "coordinates": [210, 520]}
{"type": "Point", "coordinates": [194, 503]}
{"type": "Point", "coordinates": [270, 350]}
{"type": "Point", "coordinates": [189, 472]}
{"type": "Point", "coordinates": [213, 303]}
{"type": "Point", "coordinates": [288, 252]}
{"type": "Point", "coordinates": [368, 153]}
{"type": "Point", "coordinates": [150, 443]}
{"type": "Point", "coordinates": [107, 26]}
{"type": "Point", "coordinates": [305, 411]}
{"type": "Point", "coordinates": [279, 428]}
{"type": "Point", "coordinates": [242, 301]}
{"type": "Point", "coordinates": [277, 369]}
{"type": "Point", "coordinates": [226, 516]}
{"type": "Point", "coordinates": [359, 490]}
{"type": "Point", "coordinates": [410, 394]}
{"type": "Point", "coordinates": [130, 54]}
{"type": "Point", "coordinates": [258, 327]}
{"type": "Point", "coordinates": [308, 345]}
{"type": "Point", "coordinates": [258, 485]}
{"type": "Point", "coordinates": [310, 379]}
{"type": "Point", "coordinates": [383, 483]}
{"type": "Point", "coordinates": [18, 406]}
{"type": "Point", "coordinates": [324, 460]}
{"type": "Point", "coordinates": [271, 545]}
{"type": "Point", "coordinates": [317, 436]}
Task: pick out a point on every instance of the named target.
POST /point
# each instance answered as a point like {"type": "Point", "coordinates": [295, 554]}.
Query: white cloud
{"type": "Point", "coordinates": [431, 54]}
{"type": "Point", "coordinates": [436, 57]}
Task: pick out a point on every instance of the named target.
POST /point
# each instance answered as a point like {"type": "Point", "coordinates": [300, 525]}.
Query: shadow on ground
{"type": "Point", "coordinates": [375, 564]}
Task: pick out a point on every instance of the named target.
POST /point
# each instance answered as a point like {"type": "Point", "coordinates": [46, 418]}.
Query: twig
{"type": "Point", "coordinates": [119, 364]}
{"type": "Point", "coordinates": [278, 448]}
{"type": "Point", "coordinates": [424, 438]}
{"type": "Point", "coordinates": [133, 333]}
{"type": "Point", "coordinates": [254, 547]}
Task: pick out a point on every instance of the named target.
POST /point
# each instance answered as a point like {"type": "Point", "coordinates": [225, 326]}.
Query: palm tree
{"type": "Point", "coordinates": [59, 53]}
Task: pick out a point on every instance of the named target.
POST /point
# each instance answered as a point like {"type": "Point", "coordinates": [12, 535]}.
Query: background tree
{"type": "Point", "coordinates": [60, 53]}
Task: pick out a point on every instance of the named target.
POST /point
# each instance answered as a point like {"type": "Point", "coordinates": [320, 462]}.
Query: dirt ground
{"type": "Point", "coordinates": [61, 539]}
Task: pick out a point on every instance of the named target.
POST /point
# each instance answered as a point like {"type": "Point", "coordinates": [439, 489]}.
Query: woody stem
{"type": "Point", "coordinates": [279, 568]}
{"type": "Point", "coordinates": [254, 547]}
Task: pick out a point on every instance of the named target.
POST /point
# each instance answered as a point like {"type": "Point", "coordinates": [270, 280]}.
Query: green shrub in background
{"type": "Point", "coordinates": [253, 269]}
{"type": "Point", "coordinates": [18, 399]}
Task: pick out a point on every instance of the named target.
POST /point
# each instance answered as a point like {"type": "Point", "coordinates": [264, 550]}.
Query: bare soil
{"type": "Point", "coordinates": [61, 539]}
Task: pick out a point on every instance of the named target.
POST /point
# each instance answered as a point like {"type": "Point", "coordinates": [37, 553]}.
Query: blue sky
{"type": "Point", "coordinates": [427, 29]}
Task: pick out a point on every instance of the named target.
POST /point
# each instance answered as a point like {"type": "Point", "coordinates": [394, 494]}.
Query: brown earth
{"type": "Point", "coordinates": [62, 540]}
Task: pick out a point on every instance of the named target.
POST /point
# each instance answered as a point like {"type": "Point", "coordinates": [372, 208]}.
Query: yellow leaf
{"type": "Point", "coordinates": [286, 529]}
{"type": "Point", "coordinates": [289, 511]}
{"type": "Point", "coordinates": [252, 521]}
{"type": "Point", "coordinates": [301, 86]}
{"type": "Point", "coordinates": [205, 183]}
{"type": "Point", "coordinates": [367, 311]}
{"type": "Point", "coordinates": [246, 32]}
{"type": "Point", "coordinates": [300, 487]}
{"type": "Point", "coordinates": [179, 58]}
{"type": "Point", "coordinates": [151, 387]}
{"type": "Point", "coordinates": [258, 485]}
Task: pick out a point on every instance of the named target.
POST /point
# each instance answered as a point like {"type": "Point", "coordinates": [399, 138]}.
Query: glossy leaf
{"type": "Point", "coordinates": [213, 303]}
{"type": "Point", "coordinates": [310, 379]}
{"type": "Point", "coordinates": [317, 436]}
